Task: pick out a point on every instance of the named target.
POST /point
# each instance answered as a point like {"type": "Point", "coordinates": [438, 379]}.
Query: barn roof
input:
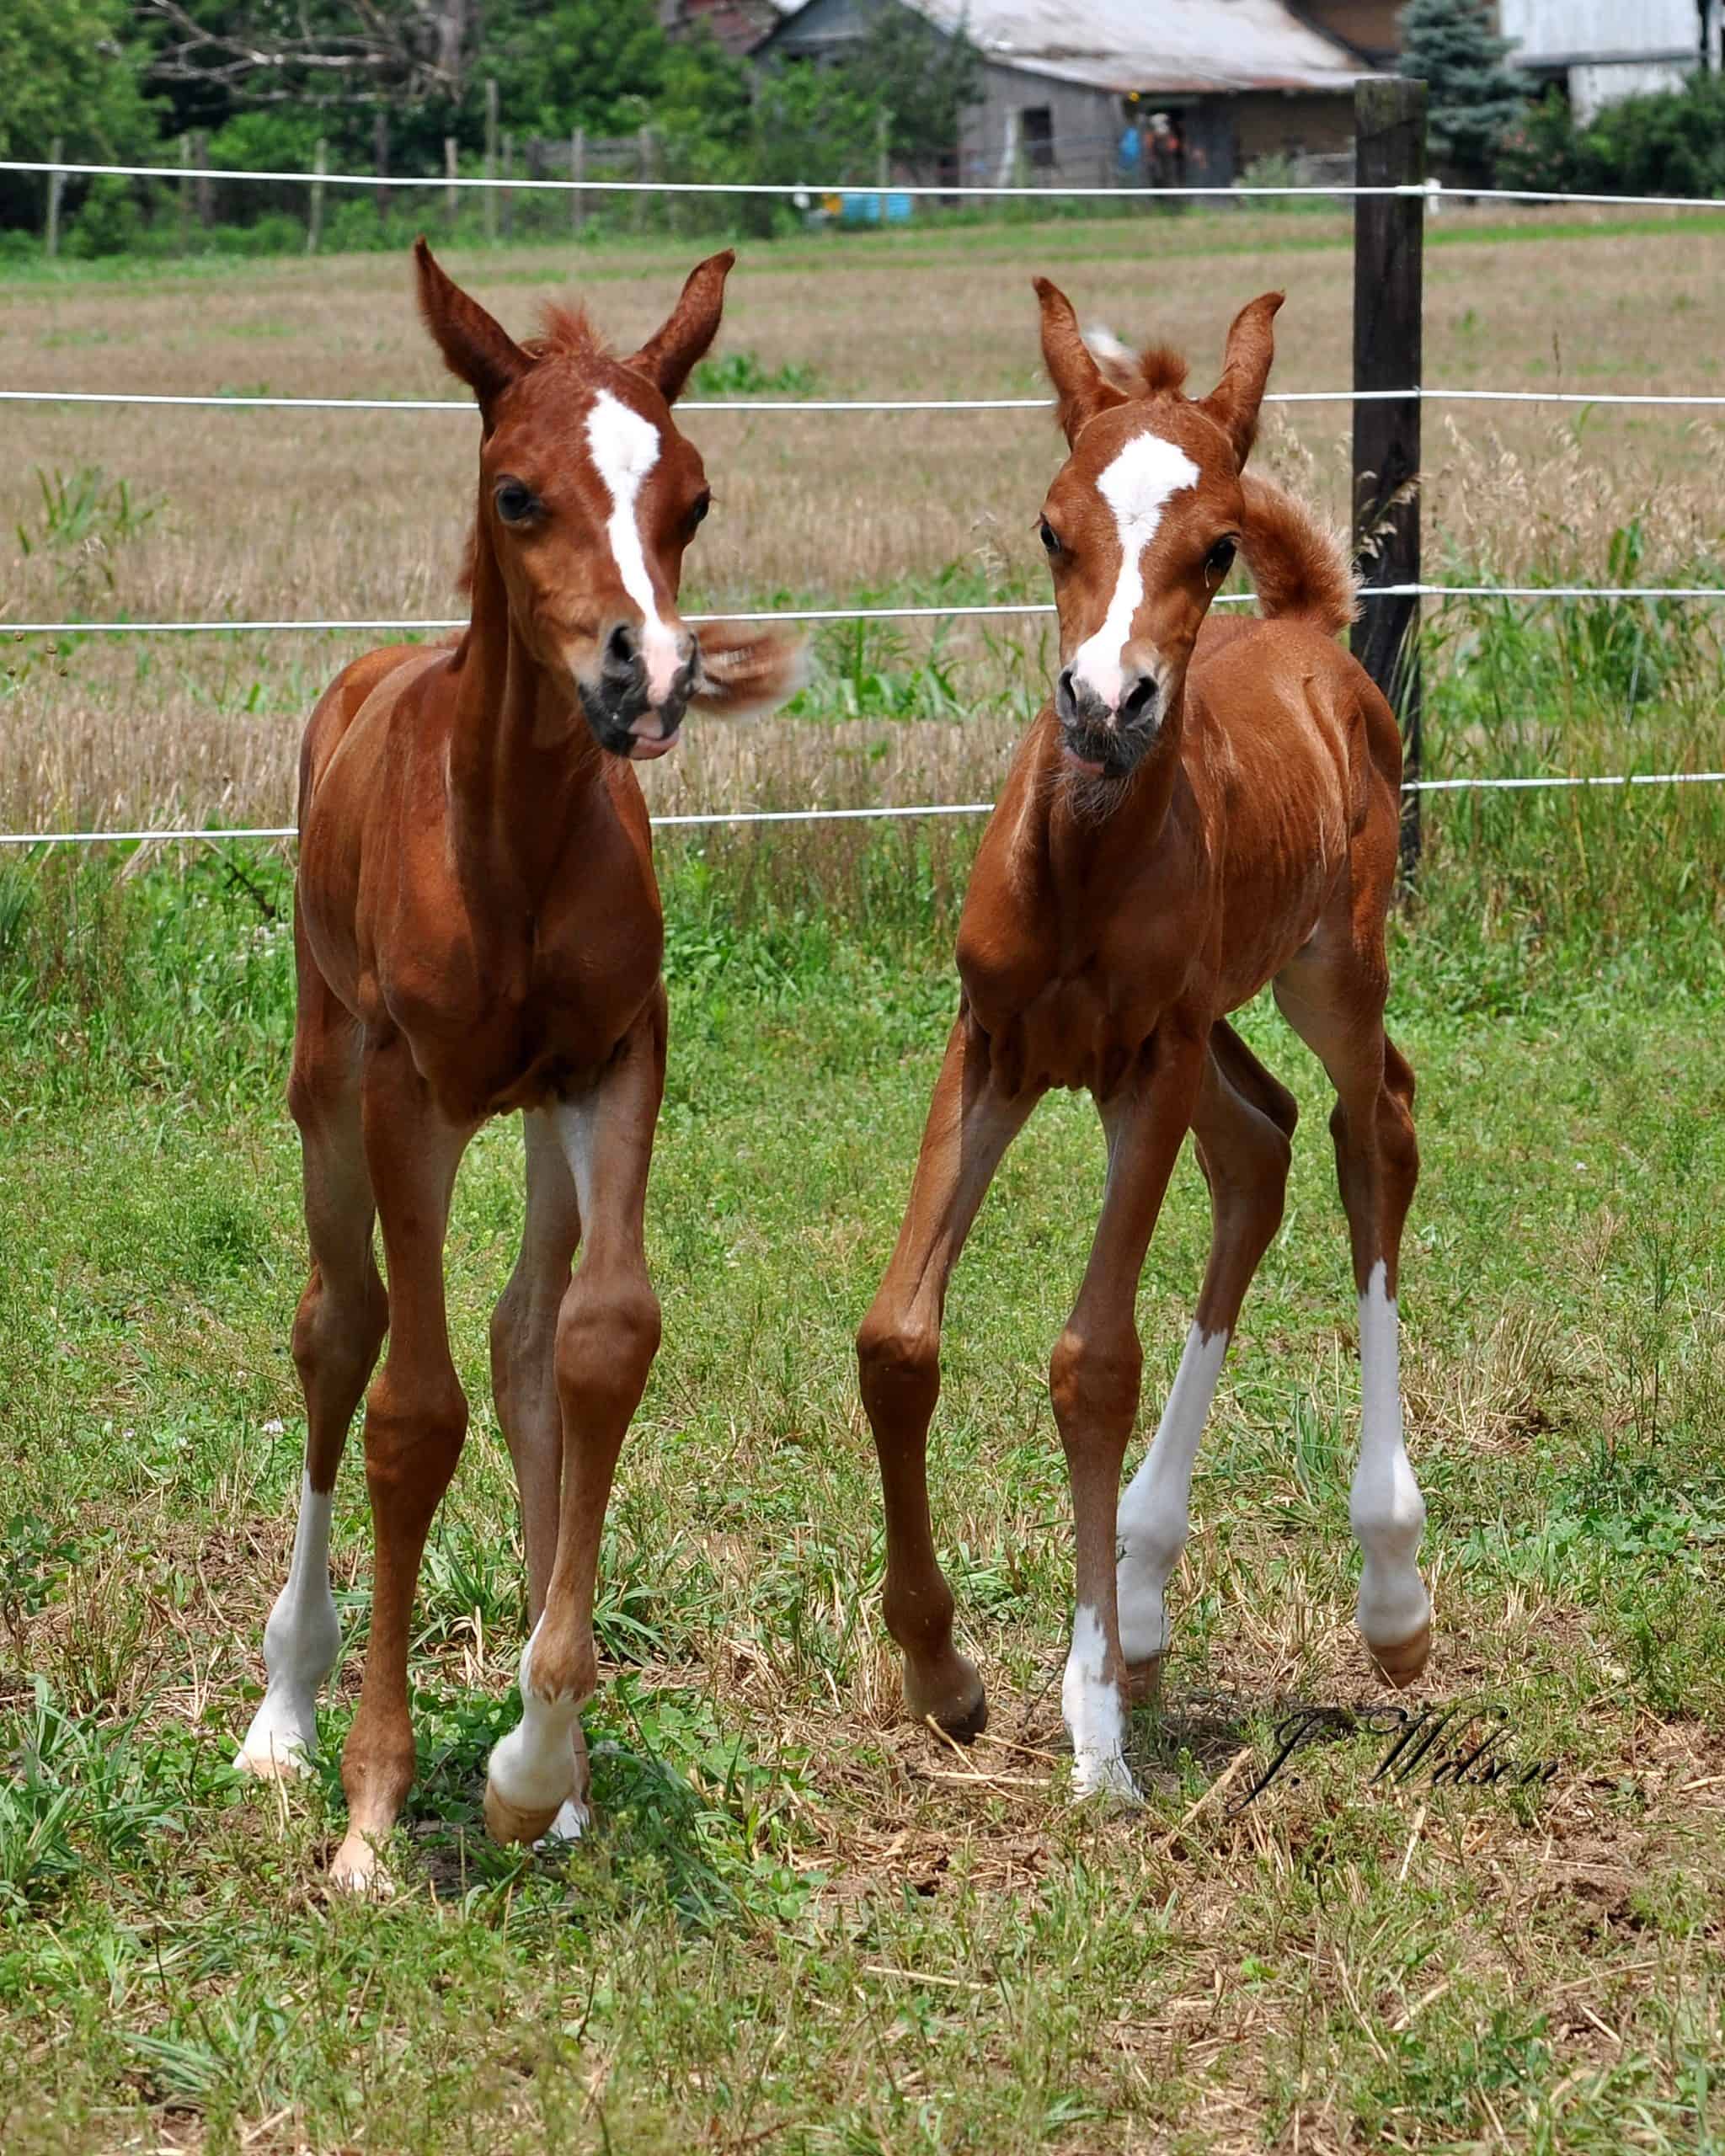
{"type": "Point", "coordinates": [1191, 45]}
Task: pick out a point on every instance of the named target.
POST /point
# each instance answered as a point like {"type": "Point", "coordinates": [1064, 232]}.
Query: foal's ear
{"type": "Point", "coordinates": [1233, 404]}
{"type": "Point", "coordinates": [668, 357]}
{"type": "Point", "coordinates": [1080, 389]}
{"type": "Point", "coordinates": [476, 350]}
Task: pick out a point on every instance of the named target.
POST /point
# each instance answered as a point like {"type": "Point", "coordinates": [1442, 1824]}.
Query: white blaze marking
{"type": "Point", "coordinates": [1137, 486]}
{"type": "Point", "coordinates": [1385, 1505]}
{"type": "Point", "coordinates": [301, 1642]}
{"type": "Point", "coordinates": [624, 448]}
{"type": "Point", "coordinates": [1090, 1708]}
{"type": "Point", "coordinates": [1155, 1512]}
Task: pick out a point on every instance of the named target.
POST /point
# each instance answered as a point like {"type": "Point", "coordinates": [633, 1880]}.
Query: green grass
{"type": "Point", "coordinates": [799, 1925]}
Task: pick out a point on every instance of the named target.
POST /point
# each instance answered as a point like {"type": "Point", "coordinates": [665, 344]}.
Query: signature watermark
{"type": "Point", "coordinates": [1465, 1744]}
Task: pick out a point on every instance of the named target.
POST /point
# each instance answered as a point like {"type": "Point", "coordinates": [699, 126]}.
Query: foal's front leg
{"type": "Point", "coordinates": [1093, 1380]}
{"type": "Point", "coordinates": [607, 1334]}
{"type": "Point", "coordinates": [971, 1122]}
{"type": "Point", "coordinates": [416, 1420]}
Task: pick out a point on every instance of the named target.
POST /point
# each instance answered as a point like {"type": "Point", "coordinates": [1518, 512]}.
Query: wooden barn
{"type": "Point", "coordinates": [1107, 91]}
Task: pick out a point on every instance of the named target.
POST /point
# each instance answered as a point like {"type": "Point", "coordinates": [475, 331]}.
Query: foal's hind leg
{"type": "Point", "coordinates": [524, 1382]}
{"type": "Point", "coordinates": [336, 1336]}
{"type": "Point", "coordinates": [1334, 999]}
{"type": "Point", "coordinates": [1244, 1122]}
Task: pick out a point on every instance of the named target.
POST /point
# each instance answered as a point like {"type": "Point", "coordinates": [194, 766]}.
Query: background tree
{"type": "Point", "coordinates": [71, 68]}
{"type": "Point", "coordinates": [1476, 96]}
{"type": "Point", "coordinates": [923, 77]}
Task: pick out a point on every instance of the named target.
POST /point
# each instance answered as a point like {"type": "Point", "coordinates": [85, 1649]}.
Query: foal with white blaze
{"type": "Point", "coordinates": [1206, 807]}
{"type": "Point", "coordinates": [477, 929]}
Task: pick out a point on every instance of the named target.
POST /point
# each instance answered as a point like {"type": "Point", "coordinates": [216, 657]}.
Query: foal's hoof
{"type": "Point", "coordinates": [1104, 1779]}
{"type": "Point", "coordinates": [1144, 1679]}
{"type": "Point", "coordinates": [358, 1870]}
{"type": "Point", "coordinates": [514, 1822]}
{"type": "Point", "coordinates": [1403, 1662]}
{"type": "Point", "coordinates": [957, 1708]}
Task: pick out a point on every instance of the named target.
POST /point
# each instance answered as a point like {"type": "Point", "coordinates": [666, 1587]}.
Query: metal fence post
{"type": "Point", "coordinates": [1388, 235]}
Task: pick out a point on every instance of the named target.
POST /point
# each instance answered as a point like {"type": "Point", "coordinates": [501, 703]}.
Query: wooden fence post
{"type": "Point", "coordinates": [578, 173]}
{"type": "Point", "coordinates": [314, 223]}
{"type": "Point", "coordinates": [451, 193]}
{"type": "Point", "coordinates": [490, 159]}
{"type": "Point", "coordinates": [883, 158]}
{"type": "Point", "coordinates": [185, 195]}
{"type": "Point", "coordinates": [56, 181]}
{"type": "Point", "coordinates": [380, 159]}
{"type": "Point", "coordinates": [509, 193]}
{"type": "Point", "coordinates": [203, 187]}
{"type": "Point", "coordinates": [643, 170]}
{"type": "Point", "coordinates": [1389, 234]}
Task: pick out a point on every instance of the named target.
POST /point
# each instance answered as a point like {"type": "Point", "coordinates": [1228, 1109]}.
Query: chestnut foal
{"type": "Point", "coordinates": [1206, 806]}
{"type": "Point", "coordinates": [478, 929]}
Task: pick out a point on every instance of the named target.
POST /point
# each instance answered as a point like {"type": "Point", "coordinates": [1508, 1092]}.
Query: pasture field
{"type": "Point", "coordinates": [799, 1924]}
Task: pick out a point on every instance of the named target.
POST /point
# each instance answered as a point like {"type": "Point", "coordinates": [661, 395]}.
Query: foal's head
{"type": "Point", "coordinates": [1141, 525]}
{"type": "Point", "coordinates": [588, 497]}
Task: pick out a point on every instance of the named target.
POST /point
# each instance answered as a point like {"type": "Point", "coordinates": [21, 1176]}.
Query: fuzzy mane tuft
{"type": "Point", "coordinates": [1301, 569]}
{"type": "Point", "coordinates": [1157, 370]}
{"type": "Point", "coordinates": [566, 333]}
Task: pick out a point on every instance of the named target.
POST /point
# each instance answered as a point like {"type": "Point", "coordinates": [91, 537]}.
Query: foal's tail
{"type": "Point", "coordinates": [1302, 570]}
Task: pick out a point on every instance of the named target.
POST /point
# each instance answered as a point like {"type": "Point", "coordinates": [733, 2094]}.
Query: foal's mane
{"type": "Point", "coordinates": [1157, 370]}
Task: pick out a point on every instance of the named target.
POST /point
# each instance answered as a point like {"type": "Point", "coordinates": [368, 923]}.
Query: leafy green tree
{"type": "Point", "coordinates": [70, 68]}
{"type": "Point", "coordinates": [924, 78]}
{"type": "Point", "coordinates": [598, 64]}
{"type": "Point", "coordinates": [1475, 96]}
{"type": "Point", "coordinates": [1661, 143]}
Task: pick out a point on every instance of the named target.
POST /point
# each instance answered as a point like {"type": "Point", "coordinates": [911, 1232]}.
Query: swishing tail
{"type": "Point", "coordinates": [1302, 570]}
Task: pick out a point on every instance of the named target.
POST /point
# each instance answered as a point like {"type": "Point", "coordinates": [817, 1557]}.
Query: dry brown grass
{"type": "Point", "coordinates": [270, 514]}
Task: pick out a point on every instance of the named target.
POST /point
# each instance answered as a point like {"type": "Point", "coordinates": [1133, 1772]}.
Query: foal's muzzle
{"type": "Point", "coordinates": [1102, 742]}
{"type": "Point", "coordinates": [621, 709]}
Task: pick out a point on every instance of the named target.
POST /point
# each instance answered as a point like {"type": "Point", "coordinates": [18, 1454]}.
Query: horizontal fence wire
{"type": "Point", "coordinates": [741, 816]}
{"type": "Point", "coordinates": [1431, 190]}
{"type": "Point", "coordinates": [773, 404]}
{"type": "Point", "coordinates": [1565, 594]}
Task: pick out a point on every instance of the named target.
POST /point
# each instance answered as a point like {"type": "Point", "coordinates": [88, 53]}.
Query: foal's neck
{"type": "Point", "coordinates": [1102, 834]}
{"type": "Point", "coordinates": [522, 757]}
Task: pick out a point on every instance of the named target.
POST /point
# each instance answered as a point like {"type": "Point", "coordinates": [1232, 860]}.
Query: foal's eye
{"type": "Point", "coordinates": [698, 509]}
{"type": "Point", "coordinates": [1050, 537]}
{"type": "Point", "coordinates": [514, 502]}
{"type": "Point", "coordinates": [1219, 560]}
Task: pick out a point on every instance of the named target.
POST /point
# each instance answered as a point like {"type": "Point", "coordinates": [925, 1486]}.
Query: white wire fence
{"type": "Point", "coordinates": [1431, 191]}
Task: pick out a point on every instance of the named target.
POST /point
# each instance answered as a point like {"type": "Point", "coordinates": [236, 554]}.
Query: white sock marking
{"type": "Point", "coordinates": [1385, 1505]}
{"type": "Point", "coordinates": [301, 1642]}
{"type": "Point", "coordinates": [1154, 1513]}
{"type": "Point", "coordinates": [1090, 1708]}
{"type": "Point", "coordinates": [624, 448]}
{"type": "Point", "coordinates": [1137, 486]}
{"type": "Point", "coordinates": [534, 1766]}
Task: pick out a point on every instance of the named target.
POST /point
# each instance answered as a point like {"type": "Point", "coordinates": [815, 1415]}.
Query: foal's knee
{"type": "Point", "coordinates": [1094, 1379]}
{"type": "Point", "coordinates": [607, 1334]}
{"type": "Point", "coordinates": [415, 1426]}
{"type": "Point", "coordinates": [898, 1362]}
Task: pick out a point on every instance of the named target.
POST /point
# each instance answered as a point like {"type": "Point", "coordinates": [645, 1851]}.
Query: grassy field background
{"type": "Point", "coordinates": [800, 1923]}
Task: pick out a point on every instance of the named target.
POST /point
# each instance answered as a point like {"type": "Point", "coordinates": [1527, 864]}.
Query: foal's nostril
{"type": "Point", "coordinates": [621, 648]}
{"type": "Point", "coordinates": [1136, 702]}
{"type": "Point", "coordinates": [1065, 695]}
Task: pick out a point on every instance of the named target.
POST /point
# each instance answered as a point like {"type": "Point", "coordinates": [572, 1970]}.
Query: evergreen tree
{"type": "Point", "coordinates": [1476, 96]}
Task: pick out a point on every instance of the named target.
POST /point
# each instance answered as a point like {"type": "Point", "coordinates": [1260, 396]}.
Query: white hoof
{"type": "Point", "coordinates": [280, 1743]}
{"type": "Point", "coordinates": [570, 1824]}
{"type": "Point", "coordinates": [358, 1870]}
{"type": "Point", "coordinates": [1104, 1774]}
